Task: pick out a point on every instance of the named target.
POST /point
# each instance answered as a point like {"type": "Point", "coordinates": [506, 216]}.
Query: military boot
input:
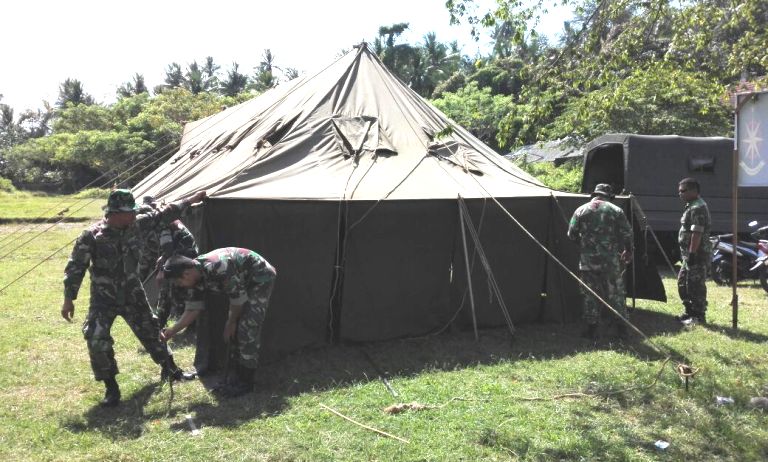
{"type": "Point", "coordinates": [242, 384]}
{"type": "Point", "coordinates": [171, 371]}
{"type": "Point", "coordinates": [112, 395]}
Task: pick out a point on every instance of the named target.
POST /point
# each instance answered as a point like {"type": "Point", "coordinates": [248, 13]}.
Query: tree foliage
{"type": "Point", "coordinates": [90, 140]}
{"type": "Point", "coordinates": [645, 66]}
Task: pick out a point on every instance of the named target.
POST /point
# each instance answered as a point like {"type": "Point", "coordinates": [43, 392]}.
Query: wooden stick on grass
{"type": "Point", "coordinates": [362, 425]}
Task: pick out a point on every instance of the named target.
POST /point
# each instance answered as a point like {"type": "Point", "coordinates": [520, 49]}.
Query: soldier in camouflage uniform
{"type": "Point", "coordinates": [695, 252]}
{"type": "Point", "coordinates": [247, 279]}
{"type": "Point", "coordinates": [111, 250]}
{"type": "Point", "coordinates": [160, 244]}
{"type": "Point", "coordinates": [175, 239]}
{"type": "Point", "coordinates": [151, 241]}
{"type": "Point", "coordinates": [605, 240]}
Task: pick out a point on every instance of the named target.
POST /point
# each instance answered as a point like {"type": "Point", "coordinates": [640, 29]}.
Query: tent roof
{"type": "Point", "coordinates": [352, 130]}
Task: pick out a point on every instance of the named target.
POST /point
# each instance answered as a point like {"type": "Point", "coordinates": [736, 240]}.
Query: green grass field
{"type": "Point", "coordinates": [480, 395]}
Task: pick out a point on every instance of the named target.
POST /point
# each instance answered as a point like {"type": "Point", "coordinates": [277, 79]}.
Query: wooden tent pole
{"type": "Point", "coordinates": [466, 264]}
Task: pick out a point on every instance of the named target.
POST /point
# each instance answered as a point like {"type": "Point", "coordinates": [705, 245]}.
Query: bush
{"type": "Point", "coordinates": [93, 193]}
{"type": "Point", "coordinates": [6, 185]}
{"type": "Point", "coordinates": [567, 177]}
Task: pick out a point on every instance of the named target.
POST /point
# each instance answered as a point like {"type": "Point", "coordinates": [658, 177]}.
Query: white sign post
{"type": "Point", "coordinates": [750, 163]}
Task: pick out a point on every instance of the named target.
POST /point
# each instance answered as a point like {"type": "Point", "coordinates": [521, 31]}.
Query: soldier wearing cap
{"type": "Point", "coordinates": [110, 250]}
{"type": "Point", "coordinates": [247, 278]}
{"type": "Point", "coordinates": [605, 240]}
{"type": "Point", "coordinates": [695, 251]}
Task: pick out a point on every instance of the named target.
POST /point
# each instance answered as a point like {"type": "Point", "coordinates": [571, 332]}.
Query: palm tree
{"type": "Point", "coordinates": [71, 92]}
{"type": "Point", "coordinates": [235, 82]}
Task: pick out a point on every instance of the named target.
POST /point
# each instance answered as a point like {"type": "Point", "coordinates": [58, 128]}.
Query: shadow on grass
{"type": "Point", "coordinates": [331, 367]}
{"type": "Point", "coordinates": [126, 421]}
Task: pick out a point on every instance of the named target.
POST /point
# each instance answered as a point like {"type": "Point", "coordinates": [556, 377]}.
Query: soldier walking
{"type": "Point", "coordinates": [695, 252]}
{"type": "Point", "coordinates": [605, 240]}
{"type": "Point", "coordinates": [247, 278]}
{"type": "Point", "coordinates": [111, 250]}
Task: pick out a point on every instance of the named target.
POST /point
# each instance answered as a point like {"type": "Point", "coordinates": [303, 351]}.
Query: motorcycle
{"type": "Point", "coordinates": [751, 257]}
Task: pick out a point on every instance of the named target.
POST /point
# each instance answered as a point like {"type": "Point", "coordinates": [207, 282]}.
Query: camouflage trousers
{"type": "Point", "coordinates": [97, 327]}
{"type": "Point", "coordinates": [251, 321]}
{"type": "Point", "coordinates": [609, 285]}
{"type": "Point", "coordinates": [169, 303]}
{"type": "Point", "coordinates": [692, 288]}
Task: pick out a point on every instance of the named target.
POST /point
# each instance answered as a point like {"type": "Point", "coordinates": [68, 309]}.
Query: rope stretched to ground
{"type": "Point", "coordinates": [592, 395]}
{"type": "Point", "coordinates": [375, 430]}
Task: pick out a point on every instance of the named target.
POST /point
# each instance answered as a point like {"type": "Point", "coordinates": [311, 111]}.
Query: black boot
{"type": "Point", "coordinates": [590, 332]}
{"type": "Point", "coordinates": [112, 395]}
{"type": "Point", "coordinates": [171, 371]}
{"type": "Point", "coordinates": [242, 384]}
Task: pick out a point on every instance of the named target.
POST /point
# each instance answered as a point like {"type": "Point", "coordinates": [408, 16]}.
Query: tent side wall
{"type": "Point", "coordinates": [397, 271]}
{"type": "Point", "coordinates": [405, 271]}
{"type": "Point", "coordinates": [299, 239]}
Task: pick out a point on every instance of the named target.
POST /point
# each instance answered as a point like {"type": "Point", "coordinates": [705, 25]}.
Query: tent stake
{"type": "Point", "coordinates": [469, 275]}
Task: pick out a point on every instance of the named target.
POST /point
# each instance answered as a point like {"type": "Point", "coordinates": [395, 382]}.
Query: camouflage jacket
{"type": "Point", "coordinates": [176, 239]}
{"type": "Point", "coordinates": [231, 271]}
{"type": "Point", "coordinates": [150, 250]}
{"type": "Point", "coordinates": [603, 232]}
{"type": "Point", "coordinates": [695, 218]}
{"type": "Point", "coordinates": [112, 257]}
{"type": "Point", "coordinates": [164, 241]}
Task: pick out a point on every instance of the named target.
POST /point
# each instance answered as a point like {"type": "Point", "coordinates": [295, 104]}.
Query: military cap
{"type": "Point", "coordinates": [121, 200]}
{"type": "Point", "coordinates": [603, 189]}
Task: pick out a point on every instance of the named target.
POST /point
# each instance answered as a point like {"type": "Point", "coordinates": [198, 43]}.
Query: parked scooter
{"type": "Point", "coordinates": [751, 257]}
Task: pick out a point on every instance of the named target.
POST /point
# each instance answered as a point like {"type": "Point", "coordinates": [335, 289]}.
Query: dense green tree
{"type": "Point", "coordinates": [477, 110]}
{"type": "Point", "coordinates": [657, 100]}
{"type": "Point", "coordinates": [71, 92]}
{"type": "Point", "coordinates": [91, 140]}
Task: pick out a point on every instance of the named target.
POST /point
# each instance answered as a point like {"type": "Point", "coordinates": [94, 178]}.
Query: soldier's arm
{"type": "Point", "coordinates": [698, 223]}
{"type": "Point", "coordinates": [187, 318]}
{"type": "Point", "coordinates": [625, 232]}
{"type": "Point", "coordinates": [169, 213]}
{"type": "Point", "coordinates": [573, 227]}
{"type": "Point", "coordinates": [74, 272]}
{"type": "Point", "coordinates": [166, 243]}
{"type": "Point", "coordinates": [194, 305]}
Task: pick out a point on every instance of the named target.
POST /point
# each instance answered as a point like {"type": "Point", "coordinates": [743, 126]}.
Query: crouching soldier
{"type": "Point", "coordinates": [111, 250]}
{"type": "Point", "coordinates": [247, 279]}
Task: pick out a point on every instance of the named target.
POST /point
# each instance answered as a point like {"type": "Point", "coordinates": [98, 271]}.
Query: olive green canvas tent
{"type": "Point", "coordinates": [348, 183]}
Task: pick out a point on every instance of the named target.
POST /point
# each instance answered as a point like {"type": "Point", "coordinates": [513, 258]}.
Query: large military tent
{"type": "Point", "coordinates": [348, 182]}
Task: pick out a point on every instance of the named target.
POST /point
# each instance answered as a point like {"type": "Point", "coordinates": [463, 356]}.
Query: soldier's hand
{"type": "Point", "coordinates": [229, 331]}
{"type": "Point", "coordinates": [198, 197]}
{"type": "Point", "coordinates": [67, 310]}
{"type": "Point", "coordinates": [166, 334]}
{"type": "Point", "coordinates": [626, 256]}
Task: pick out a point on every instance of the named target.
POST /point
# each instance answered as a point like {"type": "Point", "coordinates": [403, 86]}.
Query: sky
{"type": "Point", "coordinates": [104, 43]}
